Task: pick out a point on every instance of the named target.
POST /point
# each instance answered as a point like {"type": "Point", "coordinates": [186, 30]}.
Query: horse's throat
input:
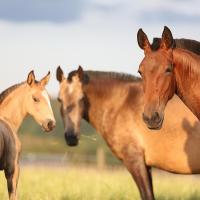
{"type": "Point", "coordinates": [13, 114]}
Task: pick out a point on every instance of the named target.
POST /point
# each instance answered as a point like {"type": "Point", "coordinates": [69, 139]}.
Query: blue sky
{"type": "Point", "coordinates": [97, 34]}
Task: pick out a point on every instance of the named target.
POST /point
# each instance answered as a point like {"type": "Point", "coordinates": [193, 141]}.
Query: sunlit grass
{"type": "Point", "coordinates": [82, 183]}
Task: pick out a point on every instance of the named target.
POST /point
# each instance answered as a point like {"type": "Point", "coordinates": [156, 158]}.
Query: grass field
{"type": "Point", "coordinates": [59, 183]}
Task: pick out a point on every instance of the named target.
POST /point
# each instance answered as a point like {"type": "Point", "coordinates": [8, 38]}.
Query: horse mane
{"type": "Point", "coordinates": [102, 75]}
{"type": "Point", "coordinates": [190, 62]}
{"type": "Point", "coordinates": [6, 92]}
{"type": "Point", "coordinates": [112, 76]}
{"type": "Point", "coordinates": [190, 45]}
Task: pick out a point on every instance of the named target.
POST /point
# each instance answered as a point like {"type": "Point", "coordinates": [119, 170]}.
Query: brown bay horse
{"type": "Point", "coordinates": [29, 97]}
{"type": "Point", "coordinates": [112, 103]}
{"type": "Point", "coordinates": [167, 71]}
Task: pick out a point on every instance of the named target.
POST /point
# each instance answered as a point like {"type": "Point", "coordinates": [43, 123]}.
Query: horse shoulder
{"type": "Point", "coordinates": [127, 135]}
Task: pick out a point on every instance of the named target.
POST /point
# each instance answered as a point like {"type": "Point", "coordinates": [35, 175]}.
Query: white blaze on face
{"type": "Point", "coordinates": [46, 97]}
{"type": "Point", "coordinates": [71, 88]}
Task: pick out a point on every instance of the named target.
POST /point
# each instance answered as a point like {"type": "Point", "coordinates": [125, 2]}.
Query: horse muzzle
{"type": "Point", "coordinates": [155, 121]}
{"type": "Point", "coordinates": [71, 138]}
{"type": "Point", "coordinates": [48, 125]}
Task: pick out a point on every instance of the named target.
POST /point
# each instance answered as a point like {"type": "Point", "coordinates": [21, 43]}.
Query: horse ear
{"type": "Point", "coordinates": [143, 41]}
{"type": "Point", "coordinates": [45, 80]}
{"type": "Point", "coordinates": [59, 74]}
{"type": "Point", "coordinates": [80, 73]}
{"type": "Point", "coordinates": [31, 78]}
{"type": "Point", "coordinates": [167, 39]}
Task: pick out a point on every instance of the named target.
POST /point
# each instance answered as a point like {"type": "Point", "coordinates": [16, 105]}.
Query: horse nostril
{"type": "Point", "coordinates": [51, 124]}
{"type": "Point", "coordinates": [154, 121]}
{"type": "Point", "coordinates": [156, 117]}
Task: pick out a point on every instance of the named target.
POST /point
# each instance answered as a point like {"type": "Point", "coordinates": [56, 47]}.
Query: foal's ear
{"type": "Point", "coordinates": [31, 78]}
{"type": "Point", "coordinates": [143, 41]}
{"type": "Point", "coordinates": [80, 73]}
{"type": "Point", "coordinates": [167, 39]}
{"type": "Point", "coordinates": [45, 80]}
{"type": "Point", "coordinates": [59, 74]}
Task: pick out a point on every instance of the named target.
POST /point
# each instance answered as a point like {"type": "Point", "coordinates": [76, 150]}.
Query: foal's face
{"type": "Point", "coordinates": [156, 70]}
{"type": "Point", "coordinates": [71, 97]}
{"type": "Point", "coordinates": [38, 102]}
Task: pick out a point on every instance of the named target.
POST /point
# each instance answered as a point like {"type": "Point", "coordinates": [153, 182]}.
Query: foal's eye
{"type": "Point", "coordinates": [140, 72]}
{"type": "Point", "coordinates": [35, 99]}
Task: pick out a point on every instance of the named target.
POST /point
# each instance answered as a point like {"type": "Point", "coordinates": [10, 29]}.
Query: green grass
{"type": "Point", "coordinates": [59, 183]}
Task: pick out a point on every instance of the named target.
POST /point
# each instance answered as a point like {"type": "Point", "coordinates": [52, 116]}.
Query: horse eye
{"type": "Point", "coordinates": [82, 100]}
{"type": "Point", "coordinates": [70, 108]}
{"type": "Point", "coordinates": [35, 99]}
{"type": "Point", "coordinates": [168, 70]}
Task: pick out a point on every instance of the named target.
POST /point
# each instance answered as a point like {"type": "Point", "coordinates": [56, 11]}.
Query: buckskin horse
{"type": "Point", "coordinates": [165, 72]}
{"type": "Point", "coordinates": [112, 103]}
{"type": "Point", "coordinates": [29, 97]}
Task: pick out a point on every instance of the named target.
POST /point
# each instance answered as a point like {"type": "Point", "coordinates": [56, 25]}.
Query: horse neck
{"type": "Point", "coordinates": [13, 109]}
{"type": "Point", "coordinates": [187, 75]}
{"type": "Point", "coordinates": [102, 100]}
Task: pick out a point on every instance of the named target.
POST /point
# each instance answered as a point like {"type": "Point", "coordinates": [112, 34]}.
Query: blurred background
{"type": "Point", "coordinates": [97, 34]}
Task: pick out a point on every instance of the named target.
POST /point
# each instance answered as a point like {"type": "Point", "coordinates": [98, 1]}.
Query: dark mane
{"type": "Point", "coordinates": [112, 75]}
{"type": "Point", "coordinates": [6, 92]}
{"type": "Point", "coordinates": [189, 62]}
{"type": "Point", "coordinates": [190, 45]}
{"type": "Point", "coordinates": [106, 76]}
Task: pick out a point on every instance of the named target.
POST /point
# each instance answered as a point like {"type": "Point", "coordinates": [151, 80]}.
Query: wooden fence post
{"type": "Point", "coordinates": [101, 162]}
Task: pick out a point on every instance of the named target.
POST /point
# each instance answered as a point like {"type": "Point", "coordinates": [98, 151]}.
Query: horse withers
{"type": "Point", "coordinates": [166, 71]}
{"type": "Point", "coordinates": [112, 103]}
{"type": "Point", "coordinates": [29, 97]}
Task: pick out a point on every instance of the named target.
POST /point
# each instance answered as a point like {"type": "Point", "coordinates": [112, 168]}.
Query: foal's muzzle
{"type": "Point", "coordinates": [71, 138]}
{"type": "Point", "coordinates": [154, 121]}
{"type": "Point", "coordinates": [49, 125]}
